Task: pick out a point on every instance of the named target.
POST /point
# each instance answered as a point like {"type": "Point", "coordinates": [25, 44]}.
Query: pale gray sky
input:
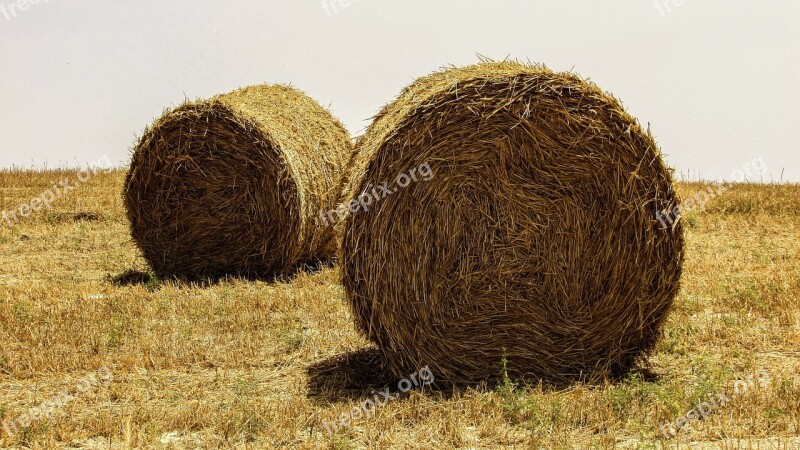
{"type": "Point", "coordinates": [718, 81]}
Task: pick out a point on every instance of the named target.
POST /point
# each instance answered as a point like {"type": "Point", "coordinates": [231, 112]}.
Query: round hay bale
{"type": "Point", "coordinates": [234, 184]}
{"type": "Point", "coordinates": [529, 238]}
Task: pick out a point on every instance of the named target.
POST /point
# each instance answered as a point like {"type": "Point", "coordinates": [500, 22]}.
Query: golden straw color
{"type": "Point", "coordinates": [234, 184]}
{"type": "Point", "coordinates": [535, 246]}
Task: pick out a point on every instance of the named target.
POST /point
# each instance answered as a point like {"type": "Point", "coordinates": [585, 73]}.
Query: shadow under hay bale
{"type": "Point", "coordinates": [349, 375]}
{"type": "Point", "coordinates": [134, 277]}
{"type": "Point", "coordinates": [539, 244]}
{"type": "Point", "coordinates": [362, 373]}
{"type": "Point", "coordinates": [234, 185]}
{"type": "Point", "coordinates": [131, 278]}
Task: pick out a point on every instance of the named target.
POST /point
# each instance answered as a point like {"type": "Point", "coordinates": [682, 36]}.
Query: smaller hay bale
{"type": "Point", "coordinates": [535, 244]}
{"type": "Point", "coordinates": [234, 185]}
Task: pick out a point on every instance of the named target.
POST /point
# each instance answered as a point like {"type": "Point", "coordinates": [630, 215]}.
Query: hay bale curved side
{"type": "Point", "coordinates": [234, 184]}
{"type": "Point", "coordinates": [536, 240]}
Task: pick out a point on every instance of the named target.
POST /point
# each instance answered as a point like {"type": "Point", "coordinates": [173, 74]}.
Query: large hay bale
{"type": "Point", "coordinates": [533, 237]}
{"type": "Point", "coordinates": [233, 185]}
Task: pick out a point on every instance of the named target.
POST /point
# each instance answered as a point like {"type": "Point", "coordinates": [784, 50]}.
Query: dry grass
{"type": "Point", "coordinates": [256, 364]}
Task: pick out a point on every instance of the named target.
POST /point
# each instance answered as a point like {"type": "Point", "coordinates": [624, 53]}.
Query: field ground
{"type": "Point", "coordinates": [262, 364]}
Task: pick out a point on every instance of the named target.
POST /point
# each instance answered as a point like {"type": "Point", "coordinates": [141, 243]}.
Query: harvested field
{"type": "Point", "coordinates": [258, 364]}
